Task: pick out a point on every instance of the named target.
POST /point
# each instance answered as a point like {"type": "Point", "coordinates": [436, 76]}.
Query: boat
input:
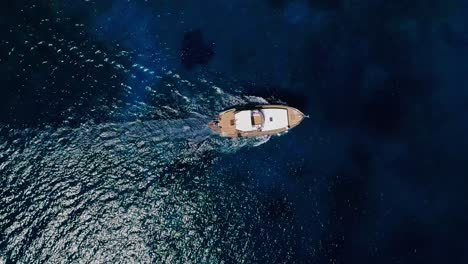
{"type": "Point", "coordinates": [256, 121]}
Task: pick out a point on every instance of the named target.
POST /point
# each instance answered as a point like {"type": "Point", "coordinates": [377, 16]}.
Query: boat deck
{"type": "Point", "coordinates": [227, 123]}
{"type": "Point", "coordinates": [294, 117]}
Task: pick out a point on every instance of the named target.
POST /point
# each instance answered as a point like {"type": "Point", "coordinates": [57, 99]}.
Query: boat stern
{"type": "Point", "coordinates": [214, 125]}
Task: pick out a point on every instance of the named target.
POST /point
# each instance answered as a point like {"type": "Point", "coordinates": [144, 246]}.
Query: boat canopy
{"type": "Point", "coordinates": [244, 121]}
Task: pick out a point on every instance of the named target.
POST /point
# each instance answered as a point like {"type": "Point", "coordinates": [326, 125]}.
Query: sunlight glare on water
{"type": "Point", "coordinates": [130, 178]}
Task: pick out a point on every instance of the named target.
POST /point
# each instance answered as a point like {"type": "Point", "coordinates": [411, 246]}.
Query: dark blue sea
{"type": "Point", "coordinates": [106, 157]}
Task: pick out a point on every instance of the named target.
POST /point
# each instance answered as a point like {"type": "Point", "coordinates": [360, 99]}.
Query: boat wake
{"type": "Point", "coordinates": [142, 187]}
{"type": "Point", "coordinates": [135, 184]}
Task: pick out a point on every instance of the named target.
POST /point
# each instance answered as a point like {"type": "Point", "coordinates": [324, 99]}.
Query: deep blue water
{"type": "Point", "coordinates": [105, 156]}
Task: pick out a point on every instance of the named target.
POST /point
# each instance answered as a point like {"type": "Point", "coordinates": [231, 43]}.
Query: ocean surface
{"type": "Point", "coordinates": [106, 157]}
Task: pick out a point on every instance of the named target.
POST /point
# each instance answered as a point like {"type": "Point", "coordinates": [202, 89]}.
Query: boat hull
{"type": "Point", "coordinates": [226, 125]}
